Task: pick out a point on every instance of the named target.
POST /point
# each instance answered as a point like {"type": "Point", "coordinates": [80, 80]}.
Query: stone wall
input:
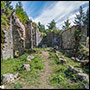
{"type": "Point", "coordinates": [14, 38]}
{"type": "Point", "coordinates": [52, 39]}
{"type": "Point", "coordinates": [7, 49]}
{"type": "Point", "coordinates": [87, 42]}
{"type": "Point", "coordinates": [33, 36]}
{"type": "Point", "coordinates": [28, 28]}
{"type": "Point", "coordinates": [67, 39]}
{"type": "Point", "coordinates": [18, 31]}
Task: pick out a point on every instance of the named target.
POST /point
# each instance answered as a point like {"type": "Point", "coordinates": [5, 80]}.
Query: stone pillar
{"type": "Point", "coordinates": [31, 36]}
{"type": "Point", "coordinates": [36, 37]}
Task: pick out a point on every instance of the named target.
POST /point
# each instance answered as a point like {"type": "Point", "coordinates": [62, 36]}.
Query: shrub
{"type": "Point", "coordinates": [43, 34]}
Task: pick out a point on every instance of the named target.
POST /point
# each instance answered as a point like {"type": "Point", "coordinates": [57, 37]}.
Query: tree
{"type": "Point", "coordinates": [34, 24]}
{"type": "Point", "coordinates": [20, 13]}
{"type": "Point", "coordinates": [41, 27]}
{"type": "Point", "coordinates": [52, 24]}
{"type": "Point", "coordinates": [8, 5]}
{"type": "Point", "coordinates": [67, 25]}
{"type": "Point", "coordinates": [86, 21]}
{"type": "Point", "coordinates": [2, 4]}
{"type": "Point", "coordinates": [19, 5]}
{"type": "Point", "coordinates": [80, 17]}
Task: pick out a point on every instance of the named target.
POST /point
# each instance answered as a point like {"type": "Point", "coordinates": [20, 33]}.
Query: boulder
{"type": "Point", "coordinates": [83, 76]}
{"type": "Point", "coordinates": [75, 59]}
{"type": "Point", "coordinates": [63, 61]}
{"type": "Point", "coordinates": [16, 75]}
{"type": "Point", "coordinates": [26, 67]}
{"type": "Point", "coordinates": [86, 86]}
{"type": "Point", "coordinates": [70, 68]}
{"type": "Point", "coordinates": [2, 86]}
{"type": "Point", "coordinates": [29, 58]}
{"type": "Point", "coordinates": [84, 62]}
{"type": "Point", "coordinates": [6, 78]}
{"type": "Point", "coordinates": [74, 70]}
{"type": "Point", "coordinates": [56, 47]}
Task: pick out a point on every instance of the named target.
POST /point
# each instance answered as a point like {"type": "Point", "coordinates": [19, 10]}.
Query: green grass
{"type": "Point", "coordinates": [61, 77]}
{"type": "Point", "coordinates": [18, 86]}
{"type": "Point", "coordinates": [42, 49]}
{"type": "Point", "coordinates": [14, 65]}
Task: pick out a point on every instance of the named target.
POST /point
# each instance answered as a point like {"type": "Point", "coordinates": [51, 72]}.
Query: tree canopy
{"type": "Point", "coordinates": [66, 25]}
{"type": "Point", "coordinates": [79, 19]}
{"type": "Point", "coordinates": [52, 24]}
{"type": "Point", "coordinates": [20, 13]}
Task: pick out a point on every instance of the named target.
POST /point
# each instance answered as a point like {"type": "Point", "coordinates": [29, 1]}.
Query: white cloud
{"type": "Point", "coordinates": [59, 11]}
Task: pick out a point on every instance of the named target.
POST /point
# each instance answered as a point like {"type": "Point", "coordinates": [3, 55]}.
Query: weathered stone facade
{"type": "Point", "coordinates": [7, 49]}
{"type": "Point", "coordinates": [67, 39]}
{"type": "Point", "coordinates": [33, 36]}
{"type": "Point", "coordinates": [18, 32]}
{"type": "Point", "coordinates": [19, 37]}
{"type": "Point", "coordinates": [52, 39]}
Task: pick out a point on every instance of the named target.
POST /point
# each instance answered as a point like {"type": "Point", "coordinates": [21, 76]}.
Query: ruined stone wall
{"type": "Point", "coordinates": [67, 40]}
{"type": "Point", "coordinates": [14, 38]}
{"type": "Point", "coordinates": [33, 36]}
{"type": "Point", "coordinates": [28, 35]}
{"type": "Point", "coordinates": [52, 39]}
{"type": "Point", "coordinates": [18, 31]}
{"type": "Point", "coordinates": [39, 39]}
{"type": "Point", "coordinates": [7, 49]}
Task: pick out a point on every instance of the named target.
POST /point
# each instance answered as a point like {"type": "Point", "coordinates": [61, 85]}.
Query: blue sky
{"type": "Point", "coordinates": [45, 11]}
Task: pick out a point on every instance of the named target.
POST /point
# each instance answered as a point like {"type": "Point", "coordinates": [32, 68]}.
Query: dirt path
{"type": "Point", "coordinates": [46, 74]}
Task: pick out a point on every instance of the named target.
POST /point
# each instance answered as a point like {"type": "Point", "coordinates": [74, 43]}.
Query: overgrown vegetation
{"type": "Point", "coordinates": [5, 16]}
{"type": "Point", "coordinates": [21, 14]}
{"type": "Point", "coordinates": [77, 36]}
{"type": "Point", "coordinates": [14, 65]}
{"type": "Point", "coordinates": [61, 77]}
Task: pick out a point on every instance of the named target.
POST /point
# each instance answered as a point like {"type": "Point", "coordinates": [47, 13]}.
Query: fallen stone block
{"type": "Point", "coordinates": [26, 67]}
{"type": "Point", "coordinates": [75, 59]}
{"type": "Point", "coordinates": [6, 78]}
{"type": "Point", "coordinates": [86, 86]}
{"type": "Point", "coordinates": [74, 70]}
{"type": "Point", "coordinates": [63, 61]}
{"type": "Point", "coordinates": [70, 68]}
{"type": "Point", "coordinates": [29, 58]}
{"type": "Point", "coordinates": [83, 76]}
{"type": "Point", "coordinates": [84, 62]}
{"type": "Point", "coordinates": [56, 47]}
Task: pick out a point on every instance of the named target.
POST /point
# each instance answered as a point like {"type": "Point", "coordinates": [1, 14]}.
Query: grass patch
{"type": "Point", "coordinates": [14, 65]}
{"type": "Point", "coordinates": [61, 77]}
{"type": "Point", "coordinates": [18, 86]}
